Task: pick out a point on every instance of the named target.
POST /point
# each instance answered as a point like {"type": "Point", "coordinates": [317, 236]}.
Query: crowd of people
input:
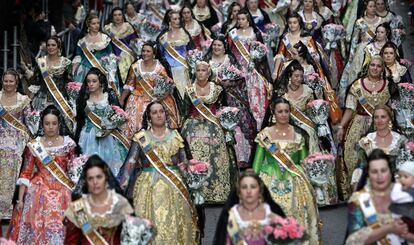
{"type": "Point", "coordinates": [287, 105]}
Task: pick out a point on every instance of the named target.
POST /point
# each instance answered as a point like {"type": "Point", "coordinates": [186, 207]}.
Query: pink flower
{"type": "Point", "coordinates": [216, 27]}
{"type": "Point", "coordinates": [195, 166]}
{"type": "Point", "coordinates": [319, 157]}
{"type": "Point", "coordinates": [280, 234]}
{"type": "Point", "coordinates": [317, 103]}
{"type": "Point", "coordinates": [410, 145]}
{"type": "Point", "coordinates": [74, 86]}
{"type": "Point", "coordinates": [407, 86]}
{"type": "Point", "coordinates": [405, 62]}
{"type": "Point", "coordinates": [268, 229]}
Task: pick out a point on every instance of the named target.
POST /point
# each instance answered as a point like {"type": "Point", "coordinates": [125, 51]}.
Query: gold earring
{"type": "Point", "coordinates": [390, 125]}
{"type": "Point", "coordinates": [273, 119]}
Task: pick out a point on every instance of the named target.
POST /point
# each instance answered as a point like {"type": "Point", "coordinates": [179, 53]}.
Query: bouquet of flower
{"type": "Point", "coordinates": [405, 112]}
{"type": "Point", "coordinates": [336, 7]}
{"type": "Point", "coordinates": [75, 168]}
{"type": "Point", "coordinates": [331, 34]}
{"type": "Point", "coordinates": [206, 45]}
{"type": "Point", "coordinates": [163, 87]}
{"type": "Point", "coordinates": [114, 117]}
{"type": "Point", "coordinates": [137, 231]}
{"type": "Point", "coordinates": [194, 56]}
{"type": "Point", "coordinates": [230, 73]}
{"type": "Point", "coordinates": [272, 32]}
{"type": "Point", "coordinates": [284, 231]}
{"type": "Point", "coordinates": [195, 174]}
{"type": "Point", "coordinates": [33, 121]}
{"type": "Point", "coordinates": [398, 30]}
{"type": "Point", "coordinates": [315, 83]}
{"type": "Point", "coordinates": [151, 28]}
{"type": "Point", "coordinates": [281, 6]}
{"type": "Point", "coordinates": [110, 64]}
{"type": "Point", "coordinates": [405, 154]}
{"type": "Point", "coordinates": [229, 118]}
{"type": "Point", "coordinates": [73, 89]}
{"type": "Point", "coordinates": [257, 50]}
{"type": "Point", "coordinates": [216, 28]}
{"type": "Point", "coordinates": [318, 112]}
{"type": "Point", "coordinates": [319, 167]}
{"type": "Point", "coordinates": [406, 62]}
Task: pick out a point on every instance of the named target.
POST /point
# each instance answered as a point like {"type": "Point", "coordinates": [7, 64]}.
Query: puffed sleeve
{"type": "Point", "coordinates": [28, 167]}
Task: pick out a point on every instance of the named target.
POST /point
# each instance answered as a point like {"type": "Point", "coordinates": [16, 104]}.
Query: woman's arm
{"type": "Point", "coordinates": [346, 118]}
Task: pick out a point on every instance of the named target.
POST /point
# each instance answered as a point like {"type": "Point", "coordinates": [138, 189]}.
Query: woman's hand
{"type": "Point", "coordinates": [340, 134]}
{"type": "Point", "coordinates": [19, 206]}
{"type": "Point", "coordinates": [398, 227]}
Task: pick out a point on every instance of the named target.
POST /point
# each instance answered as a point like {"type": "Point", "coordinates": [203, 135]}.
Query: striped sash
{"type": "Point", "coordinates": [12, 121]}
{"type": "Point", "coordinates": [201, 108]}
{"type": "Point", "coordinates": [364, 102]}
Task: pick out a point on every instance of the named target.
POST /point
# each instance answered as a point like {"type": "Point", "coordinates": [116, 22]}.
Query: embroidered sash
{"type": "Point", "coordinates": [287, 43]}
{"type": "Point", "coordinates": [57, 95]}
{"type": "Point", "coordinates": [233, 229]}
{"type": "Point", "coordinates": [97, 121]}
{"type": "Point", "coordinates": [95, 63]}
{"type": "Point", "coordinates": [121, 45]}
{"type": "Point", "coordinates": [12, 121]}
{"type": "Point", "coordinates": [148, 88]}
{"type": "Point", "coordinates": [364, 102]}
{"type": "Point", "coordinates": [161, 167]}
{"type": "Point", "coordinates": [82, 218]}
{"type": "Point", "coordinates": [201, 108]}
{"type": "Point", "coordinates": [157, 14]}
{"type": "Point", "coordinates": [177, 56]}
{"type": "Point", "coordinates": [299, 116]}
{"type": "Point", "coordinates": [269, 4]}
{"type": "Point", "coordinates": [40, 152]}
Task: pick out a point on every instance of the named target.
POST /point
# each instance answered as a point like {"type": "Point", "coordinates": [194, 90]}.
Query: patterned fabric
{"type": "Point", "coordinates": [46, 199]}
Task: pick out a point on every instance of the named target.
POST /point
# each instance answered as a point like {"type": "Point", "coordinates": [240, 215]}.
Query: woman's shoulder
{"type": "Point", "coordinates": [356, 196]}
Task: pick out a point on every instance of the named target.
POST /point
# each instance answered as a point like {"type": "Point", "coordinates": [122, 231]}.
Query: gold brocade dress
{"type": "Point", "coordinates": [357, 127]}
{"type": "Point", "coordinates": [155, 197]}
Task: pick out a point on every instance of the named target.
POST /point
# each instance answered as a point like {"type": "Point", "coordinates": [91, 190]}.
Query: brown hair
{"type": "Point", "coordinates": [57, 40]}
{"type": "Point", "coordinates": [250, 173]}
{"type": "Point", "coordinates": [386, 108]}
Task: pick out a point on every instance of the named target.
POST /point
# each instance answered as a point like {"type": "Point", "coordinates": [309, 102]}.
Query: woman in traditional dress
{"type": "Point", "coordinates": [132, 16]}
{"type": "Point", "coordinates": [14, 135]}
{"type": "Point", "coordinates": [95, 49]}
{"type": "Point", "coordinates": [363, 95]}
{"type": "Point", "coordinates": [95, 133]}
{"type": "Point", "coordinates": [363, 33]}
{"type": "Point", "coordinates": [231, 20]}
{"type": "Point", "coordinates": [248, 210]}
{"type": "Point", "coordinates": [47, 83]}
{"type": "Point", "coordinates": [312, 20]}
{"type": "Point", "coordinates": [153, 12]}
{"type": "Point", "coordinates": [257, 82]}
{"type": "Point", "coordinates": [205, 135]}
{"type": "Point", "coordinates": [384, 138]}
{"type": "Point", "coordinates": [260, 17]}
{"type": "Point", "coordinates": [205, 13]}
{"type": "Point", "coordinates": [174, 43]}
{"type": "Point", "coordinates": [125, 40]}
{"type": "Point", "coordinates": [369, 219]}
{"type": "Point", "coordinates": [281, 148]}
{"type": "Point", "coordinates": [198, 32]}
{"type": "Point", "coordinates": [45, 188]}
{"type": "Point", "coordinates": [99, 204]}
{"type": "Point", "coordinates": [140, 89]}
{"type": "Point", "coordinates": [159, 193]}
{"type": "Point", "coordinates": [398, 72]}
{"type": "Point", "coordinates": [220, 60]}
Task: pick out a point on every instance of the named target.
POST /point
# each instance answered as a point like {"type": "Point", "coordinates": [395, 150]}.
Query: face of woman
{"type": "Point", "coordinates": [380, 6]}
{"type": "Point", "coordinates": [379, 175]}
{"type": "Point", "coordinates": [9, 83]}
{"type": "Point", "coordinates": [147, 53]}
{"type": "Point", "coordinates": [381, 34]}
{"type": "Point", "coordinates": [130, 9]}
{"type": "Point", "coordinates": [381, 119]}
{"type": "Point", "coordinates": [297, 78]}
{"type": "Point", "coordinates": [293, 24]}
{"type": "Point", "coordinates": [308, 4]}
{"type": "Point", "coordinates": [235, 11]}
{"type": "Point", "coordinates": [218, 48]}
{"type": "Point", "coordinates": [202, 73]}
{"type": "Point", "coordinates": [93, 83]}
{"type": "Point", "coordinates": [249, 190]}
{"type": "Point", "coordinates": [371, 10]}
{"type": "Point", "coordinates": [375, 68]}
{"type": "Point", "coordinates": [186, 14]}
{"type": "Point", "coordinates": [117, 17]}
{"type": "Point", "coordinates": [242, 21]}
{"type": "Point", "coordinates": [52, 47]}
{"type": "Point", "coordinates": [51, 125]}
{"type": "Point", "coordinates": [252, 5]}
{"type": "Point", "coordinates": [389, 56]}
{"type": "Point", "coordinates": [94, 25]}
{"type": "Point", "coordinates": [96, 180]}
{"type": "Point", "coordinates": [319, 2]}
{"type": "Point", "coordinates": [201, 3]}
{"type": "Point", "coordinates": [282, 113]}
{"type": "Point", "coordinates": [175, 20]}
{"type": "Point", "coordinates": [157, 115]}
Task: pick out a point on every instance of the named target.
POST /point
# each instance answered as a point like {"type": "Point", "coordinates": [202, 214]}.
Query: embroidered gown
{"type": "Point", "coordinates": [45, 201]}
{"type": "Point", "coordinates": [12, 144]}
{"type": "Point", "coordinates": [292, 192]}
{"type": "Point", "coordinates": [207, 143]}
{"type": "Point", "coordinates": [155, 197]}
{"type": "Point", "coordinates": [139, 98]}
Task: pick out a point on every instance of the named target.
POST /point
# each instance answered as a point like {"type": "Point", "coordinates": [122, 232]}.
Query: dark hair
{"type": "Point", "coordinates": [167, 18]}
{"type": "Point", "coordinates": [50, 109]}
{"type": "Point", "coordinates": [57, 40]}
{"type": "Point", "coordinates": [282, 83]}
{"type": "Point", "coordinates": [191, 11]}
{"type": "Point", "coordinates": [221, 38]}
{"type": "Point", "coordinates": [387, 28]}
{"type": "Point", "coordinates": [95, 161]}
{"type": "Point", "coordinates": [230, 10]}
{"type": "Point", "coordinates": [249, 18]}
{"type": "Point", "coordinates": [376, 154]}
{"type": "Point", "coordinates": [390, 44]}
{"type": "Point", "coordinates": [291, 15]}
{"type": "Point", "coordinates": [111, 16]}
{"type": "Point", "coordinates": [220, 235]}
{"type": "Point", "coordinates": [146, 117]}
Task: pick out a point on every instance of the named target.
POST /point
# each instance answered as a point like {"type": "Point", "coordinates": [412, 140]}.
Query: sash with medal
{"type": "Point", "coordinates": [54, 91]}
{"type": "Point", "coordinates": [79, 209]}
{"type": "Point", "coordinates": [12, 121]}
{"type": "Point", "coordinates": [40, 152]}
{"type": "Point", "coordinates": [173, 53]}
{"type": "Point", "coordinates": [299, 116]}
{"type": "Point", "coordinates": [162, 169]}
{"type": "Point", "coordinates": [369, 109]}
{"type": "Point", "coordinates": [95, 63]}
{"type": "Point", "coordinates": [97, 121]}
{"type": "Point", "coordinates": [148, 88]}
{"type": "Point", "coordinates": [201, 108]}
{"type": "Point", "coordinates": [233, 229]}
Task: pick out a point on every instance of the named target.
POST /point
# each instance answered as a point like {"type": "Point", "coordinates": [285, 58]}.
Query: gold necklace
{"type": "Point", "coordinates": [251, 211]}
{"type": "Point", "coordinates": [280, 133]}
{"type": "Point", "coordinates": [50, 141]}
{"type": "Point", "coordinates": [104, 203]}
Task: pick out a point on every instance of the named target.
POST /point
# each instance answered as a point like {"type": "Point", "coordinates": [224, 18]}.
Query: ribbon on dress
{"type": "Point", "coordinates": [40, 152]}
{"type": "Point", "coordinates": [162, 169]}
{"type": "Point", "coordinates": [299, 116]}
{"type": "Point", "coordinates": [121, 45]}
{"type": "Point", "coordinates": [81, 216]}
{"type": "Point", "coordinates": [97, 121]}
{"type": "Point", "coordinates": [364, 102]}
{"type": "Point", "coordinates": [177, 56]}
{"type": "Point", "coordinates": [12, 121]}
{"type": "Point", "coordinates": [233, 229]}
{"type": "Point", "coordinates": [201, 108]}
{"type": "Point", "coordinates": [54, 91]}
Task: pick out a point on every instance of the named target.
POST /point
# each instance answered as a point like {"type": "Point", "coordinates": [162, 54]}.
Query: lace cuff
{"type": "Point", "coordinates": [130, 88]}
{"type": "Point", "coordinates": [23, 181]}
{"type": "Point", "coordinates": [359, 236]}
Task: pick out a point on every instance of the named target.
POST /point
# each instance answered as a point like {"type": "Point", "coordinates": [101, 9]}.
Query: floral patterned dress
{"type": "Point", "coordinates": [12, 144]}
{"type": "Point", "coordinates": [45, 201]}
